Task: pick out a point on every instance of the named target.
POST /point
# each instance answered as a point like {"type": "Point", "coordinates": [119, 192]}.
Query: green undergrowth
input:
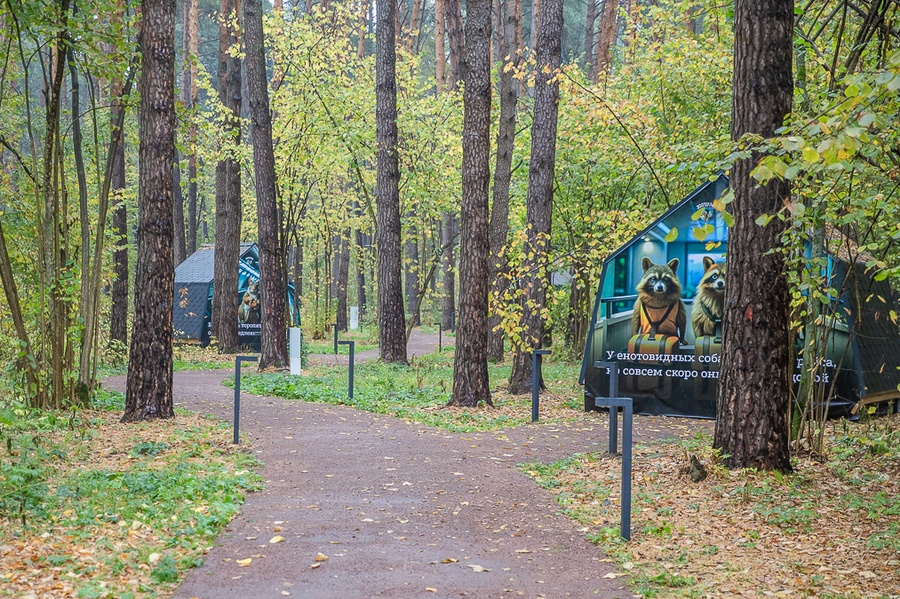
{"type": "Point", "coordinates": [113, 510]}
{"type": "Point", "coordinates": [418, 392]}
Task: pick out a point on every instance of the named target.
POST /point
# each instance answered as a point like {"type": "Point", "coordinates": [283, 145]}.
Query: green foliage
{"type": "Point", "coordinates": [177, 493]}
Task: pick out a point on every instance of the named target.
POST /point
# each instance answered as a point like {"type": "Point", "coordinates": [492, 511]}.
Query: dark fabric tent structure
{"type": "Point", "coordinates": [194, 289]}
{"type": "Point", "coordinates": [679, 377]}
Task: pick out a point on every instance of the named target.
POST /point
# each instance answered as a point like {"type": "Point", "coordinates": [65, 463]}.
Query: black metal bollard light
{"type": "Point", "coordinates": [627, 405]}
{"type": "Point", "coordinates": [334, 328]}
{"type": "Point", "coordinates": [536, 380]}
{"type": "Point", "coordinates": [237, 393]}
{"type": "Point", "coordinates": [352, 345]}
{"type": "Point", "coordinates": [440, 331]}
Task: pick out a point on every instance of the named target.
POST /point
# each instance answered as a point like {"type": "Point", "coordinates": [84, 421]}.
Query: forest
{"type": "Point", "coordinates": [470, 164]}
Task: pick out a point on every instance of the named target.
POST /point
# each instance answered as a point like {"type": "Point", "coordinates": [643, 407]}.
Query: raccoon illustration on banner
{"type": "Point", "coordinates": [674, 272]}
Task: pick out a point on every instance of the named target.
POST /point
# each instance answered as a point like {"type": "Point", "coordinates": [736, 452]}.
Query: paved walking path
{"type": "Point", "coordinates": [400, 509]}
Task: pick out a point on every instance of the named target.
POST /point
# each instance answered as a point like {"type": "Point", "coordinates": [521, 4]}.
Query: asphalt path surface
{"type": "Point", "coordinates": [399, 509]}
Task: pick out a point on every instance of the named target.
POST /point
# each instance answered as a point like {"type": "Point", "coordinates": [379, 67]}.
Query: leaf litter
{"type": "Point", "coordinates": [105, 525]}
{"type": "Point", "coordinates": [830, 529]}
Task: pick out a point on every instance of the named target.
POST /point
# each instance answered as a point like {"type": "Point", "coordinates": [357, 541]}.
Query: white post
{"type": "Point", "coordinates": [354, 318]}
{"type": "Point", "coordinates": [295, 341]}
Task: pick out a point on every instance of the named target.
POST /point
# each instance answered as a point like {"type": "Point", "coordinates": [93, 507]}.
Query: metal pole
{"type": "Point", "coordinates": [237, 393]}
{"type": "Point", "coordinates": [626, 469]}
{"type": "Point", "coordinates": [613, 368]}
{"type": "Point", "coordinates": [352, 345]}
{"type": "Point", "coordinates": [627, 405]}
{"type": "Point", "coordinates": [536, 380]}
{"type": "Point", "coordinates": [334, 325]}
{"type": "Point", "coordinates": [439, 335]}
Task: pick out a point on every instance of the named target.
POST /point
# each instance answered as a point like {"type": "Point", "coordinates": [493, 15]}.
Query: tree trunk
{"type": "Point", "coordinates": [149, 384]}
{"type": "Point", "coordinates": [361, 29]}
{"type": "Point", "coordinates": [470, 373]}
{"type": "Point", "coordinates": [540, 194]}
{"type": "Point", "coordinates": [411, 278]}
{"type": "Point", "coordinates": [391, 321]}
{"type": "Point", "coordinates": [273, 338]}
{"type": "Point", "coordinates": [590, 21]}
{"type": "Point", "coordinates": [520, 43]}
{"type": "Point", "coordinates": [535, 22]}
{"type": "Point", "coordinates": [191, 47]}
{"type": "Point", "coordinates": [54, 221]}
{"type": "Point", "coordinates": [180, 245]}
{"type": "Point", "coordinates": [499, 227]}
{"type": "Point", "coordinates": [228, 191]}
{"type": "Point", "coordinates": [605, 37]}
{"type": "Point", "coordinates": [118, 317]}
{"type": "Point", "coordinates": [754, 386]}
{"type": "Point", "coordinates": [439, 33]}
{"type": "Point", "coordinates": [340, 276]}
{"type": "Point", "coordinates": [360, 273]}
{"type": "Point", "coordinates": [298, 281]}
{"type": "Point", "coordinates": [453, 24]}
{"type": "Point", "coordinates": [448, 262]}
{"type": "Point", "coordinates": [84, 385]}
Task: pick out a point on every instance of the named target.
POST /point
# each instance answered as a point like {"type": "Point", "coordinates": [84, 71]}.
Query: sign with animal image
{"type": "Point", "coordinates": [249, 315]}
{"type": "Point", "coordinates": [658, 313]}
{"type": "Point", "coordinates": [658, 320]}
{"type": "Point", "coordinates": [658, 358]}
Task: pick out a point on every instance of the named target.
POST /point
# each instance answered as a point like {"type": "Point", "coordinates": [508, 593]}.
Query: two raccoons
{"type": "Point", "coordinates": [659, 309]}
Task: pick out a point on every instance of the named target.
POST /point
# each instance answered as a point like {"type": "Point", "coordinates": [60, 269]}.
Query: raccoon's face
{"type": "Point", "coordinates": [659, 279]}
{"type": "Point", "coordinates": [655, 284]}
{"type": "Point", "coordinates": [714, 277]}
{"type": "Point", "coordinates": [715, 281]}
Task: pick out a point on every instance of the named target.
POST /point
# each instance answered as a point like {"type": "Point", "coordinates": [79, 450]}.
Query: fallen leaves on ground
{"type": "Point", "coordinates": [830, 529]}
{"type": "Point", "coordinates": [93, 552]}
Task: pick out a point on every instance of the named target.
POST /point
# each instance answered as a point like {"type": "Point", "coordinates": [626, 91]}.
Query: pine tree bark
{"type": "Point", "coordinates": [118, 317]}
{"type": "Point", "coordinates": [754, 384]}
{"type": "Point", "coordinates": [191, 46]}
{"type": "Point", "coordinates": [228, 189]}
{"type": "Point", "coordinates": [179, 243]}
{"type": "Point", "coordinates": [391, 321]}
{"type": "Point", "coordinates": [540, 193]}
{"type": "Point", "coordinates": [340, 276]}
{"type": "Point", "coordinates": [605, 37]}
{"type": "Point", "coordinates": [273, 338]}
{"type": "Point", "coordinates": [453, 24]}
{"type": "Point", "coordinates": [499, 226]}
{"type": "Point", "coordinates": [590, 21]}
{"type": "Point", "coordinates": [149, 383]}
{"type": "Point", "coordinates": [470, 374]}
{"type": "Point", "coordinates": [520, 42]}
{"type": "Point", "coordinates": [439, 33]}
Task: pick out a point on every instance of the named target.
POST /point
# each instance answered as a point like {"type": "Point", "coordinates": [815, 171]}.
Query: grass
{"type": "Point", "coordinates": [93, 508]}
{"type": "Point", "coordinates": [364, 341]}
{"type": "Point", "coordinates": [420, 392]}
{"type": "Point", "coordinates": [831, 529]}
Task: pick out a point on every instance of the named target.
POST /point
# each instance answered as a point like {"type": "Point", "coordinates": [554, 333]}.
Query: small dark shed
{"type": "Point", "coordinates": [194, 289]}
{"type": "Point", "coordinates": [678, 375]}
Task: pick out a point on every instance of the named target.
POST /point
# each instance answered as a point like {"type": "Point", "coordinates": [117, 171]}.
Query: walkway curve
{"type": "Point", "coordinates": [400, 509]}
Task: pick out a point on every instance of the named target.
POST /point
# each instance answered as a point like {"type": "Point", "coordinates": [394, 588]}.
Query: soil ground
{"type": "Point", "coordinates": [391, 508]}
